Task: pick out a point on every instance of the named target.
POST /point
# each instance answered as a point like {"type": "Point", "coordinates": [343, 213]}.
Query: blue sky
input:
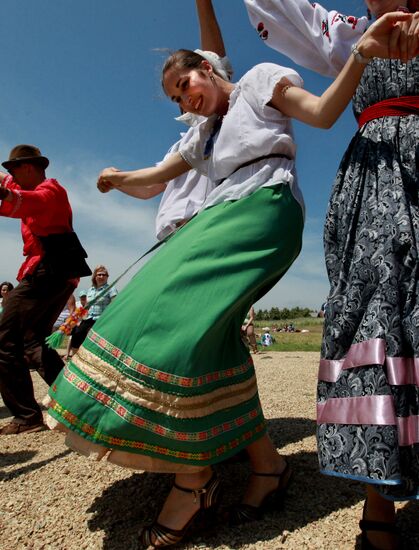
{"type": "Point", "coordinates": [81, 80]}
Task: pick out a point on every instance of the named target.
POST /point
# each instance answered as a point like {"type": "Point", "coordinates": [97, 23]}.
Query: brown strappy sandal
{"type": "Point", "coordinates": [159, 536]}
{"type": "Point", "coordinates": [245, 513]}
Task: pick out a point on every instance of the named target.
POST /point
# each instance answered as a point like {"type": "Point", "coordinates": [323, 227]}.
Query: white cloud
{"type": "Point", "coordinates": [11, 249]}
{"type": "Point", "coordinates": [114, 229]}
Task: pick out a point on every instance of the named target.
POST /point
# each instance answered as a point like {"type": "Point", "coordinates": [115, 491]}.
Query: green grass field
{"type": "Point", "coordinates": [295, 341]}
{"type": "Point", "coordinates": [285, 341]}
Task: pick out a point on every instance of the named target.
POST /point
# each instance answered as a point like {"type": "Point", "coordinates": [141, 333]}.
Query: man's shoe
{"type": "Point", "coordinates": [13, 428]}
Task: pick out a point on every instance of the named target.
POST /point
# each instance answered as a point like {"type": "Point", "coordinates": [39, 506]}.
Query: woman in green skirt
{"type": "Point", "coordinates": [164, 382]}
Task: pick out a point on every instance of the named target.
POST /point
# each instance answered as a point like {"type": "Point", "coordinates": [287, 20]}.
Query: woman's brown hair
{"type": "Point", "coordinates": [184, 59]}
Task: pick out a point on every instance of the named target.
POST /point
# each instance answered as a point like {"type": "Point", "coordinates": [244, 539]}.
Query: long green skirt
{"type": "Point", "coordinates": [163, 381]}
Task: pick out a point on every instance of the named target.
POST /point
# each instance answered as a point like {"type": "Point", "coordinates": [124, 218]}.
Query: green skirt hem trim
{"type": "Point", "coordinates": [219, 454]}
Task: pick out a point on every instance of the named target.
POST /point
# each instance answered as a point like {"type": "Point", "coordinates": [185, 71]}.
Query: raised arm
{"type": "Point", "coordinates": [313, 37]}
{"type": "Point", "coordinates": [211, 37]}
{"type": "Point", "coordinates": [166, 170]}
{"type": "Point", "coordinates": [323, 111]}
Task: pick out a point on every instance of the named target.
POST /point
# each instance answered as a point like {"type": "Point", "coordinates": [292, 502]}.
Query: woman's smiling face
{"type": "Point", "coordinates": [192, 89]}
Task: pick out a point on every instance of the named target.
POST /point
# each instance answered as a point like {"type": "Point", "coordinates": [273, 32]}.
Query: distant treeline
{"type": "Point", "coordinates": [276, 314]}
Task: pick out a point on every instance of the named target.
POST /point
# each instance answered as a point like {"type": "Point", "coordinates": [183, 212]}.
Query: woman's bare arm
{"type": "Point", "coordinates": [323, 111]}
{"type": "Point", "coordinates": [144, 192]}
{"type": "Point", "coordinates": [211, 37]}
{"type": "Point", "coordinates": [166, 170]}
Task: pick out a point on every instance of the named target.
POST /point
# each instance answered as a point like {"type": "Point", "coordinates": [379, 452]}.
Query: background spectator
{"type": "Point", "coordinates": [81, 302]}
{"type": "Point", "coordinates": [99, 283]}
{"type": "Point", "coordinates": [5, 288]}
{"type": "Point", "coordinates": [267, 339]}
{"type": "Point", "coordinates": [248, 330]}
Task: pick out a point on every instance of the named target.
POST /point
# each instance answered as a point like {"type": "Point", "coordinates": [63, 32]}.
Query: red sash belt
{"type": "Point", "coordinates": [396, 106]}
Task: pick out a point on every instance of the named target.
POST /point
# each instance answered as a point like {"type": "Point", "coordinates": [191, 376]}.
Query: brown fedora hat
{"type": "Point", "coordinates": [25, 153]}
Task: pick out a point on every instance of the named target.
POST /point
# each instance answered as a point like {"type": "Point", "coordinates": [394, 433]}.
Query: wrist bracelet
{"type": "Point", "coordinates": [359, 58]}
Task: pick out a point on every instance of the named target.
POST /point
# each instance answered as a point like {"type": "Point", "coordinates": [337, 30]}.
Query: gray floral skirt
{"type": "Point", "coordinates": [368, 397]}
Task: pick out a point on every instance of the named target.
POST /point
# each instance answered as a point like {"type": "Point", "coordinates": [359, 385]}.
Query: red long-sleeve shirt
{"type": "Point", "coordinates": [43, 211]}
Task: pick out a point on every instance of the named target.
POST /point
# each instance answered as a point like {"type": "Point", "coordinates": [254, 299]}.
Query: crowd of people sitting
{"type": "Point", "coordinates": [265, 339]}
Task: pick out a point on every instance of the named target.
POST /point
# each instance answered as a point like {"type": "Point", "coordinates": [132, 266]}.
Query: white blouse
{"type": "Point", "coordinates": [306, 32]}
{"type": "Point", "coordinates": [183, 196]}
{"type": "Point", "coordinates": [251, 129]}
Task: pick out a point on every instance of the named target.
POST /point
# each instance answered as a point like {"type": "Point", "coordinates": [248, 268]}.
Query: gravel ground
{"type": "Point", "coordinates": [53, 499]}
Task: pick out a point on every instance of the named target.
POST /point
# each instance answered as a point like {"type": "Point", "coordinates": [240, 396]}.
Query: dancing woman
{"type": "Point", "coordinates": [180, 396]}
{"type": "Point", "coordinates": [183, 196]}
{"type": "Point", "coordinates": [368, 396]}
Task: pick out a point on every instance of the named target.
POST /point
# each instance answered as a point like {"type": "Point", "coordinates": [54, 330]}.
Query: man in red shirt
{"type": "Point", "coordinates": [54, 260]}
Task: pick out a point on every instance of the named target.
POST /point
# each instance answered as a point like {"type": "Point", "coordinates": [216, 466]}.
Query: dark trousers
{"type": "Point", "coordinates": [78, 334]}
{"type": "Point", "coordinates": [27, 319]}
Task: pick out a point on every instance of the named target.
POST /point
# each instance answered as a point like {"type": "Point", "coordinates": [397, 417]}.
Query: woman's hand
{"type": "Point", "coordinates": [378, 40]}
{"type": "Point", "coordinates": [104, 182]}
{"type": "Point", "coordinates": [404, 39]}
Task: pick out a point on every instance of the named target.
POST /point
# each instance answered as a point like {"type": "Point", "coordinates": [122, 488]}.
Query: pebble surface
{"type": "Point", "coordinates": [53, 499]}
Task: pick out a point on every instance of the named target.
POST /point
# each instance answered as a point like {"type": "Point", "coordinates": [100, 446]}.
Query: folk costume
{"type": "Point", "coordinates": [185, 195]}
{"type": "Point", "coordinates": [54, 259]}
{"type": "Point", "coordinates": [163, 382]}
{"type": "Point", "coordinates": [368, 396]}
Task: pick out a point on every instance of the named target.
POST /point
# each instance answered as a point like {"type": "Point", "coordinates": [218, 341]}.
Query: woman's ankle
{"type": "Point", "coordinates": [378, 508]}
{"type": "Point", "coordinates": [194, 481]}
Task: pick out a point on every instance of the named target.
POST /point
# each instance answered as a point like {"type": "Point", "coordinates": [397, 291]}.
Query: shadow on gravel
{"type": "Point", "coordinates": [408, 524]}
{"type": "Point", "coordinates": [407, 520]}
{"type": "Point", "coordinates": [7, 476]}
{"type": "Point", "coordinates": [127, 505]}
{"type": "Point", "coordinates": [284, 431]}
{"type": "Point", "coordinates": [8, 459]}
{"type": "Point", "coordinates": [4, 412]}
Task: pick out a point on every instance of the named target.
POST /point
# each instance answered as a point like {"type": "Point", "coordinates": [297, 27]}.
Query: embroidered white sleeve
{"type": "Point", "coordinates": [306, 32]}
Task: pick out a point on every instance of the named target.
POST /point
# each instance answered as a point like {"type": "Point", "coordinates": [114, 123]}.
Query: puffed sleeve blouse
{"type": "Point", "coordinates": [254, 146]}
